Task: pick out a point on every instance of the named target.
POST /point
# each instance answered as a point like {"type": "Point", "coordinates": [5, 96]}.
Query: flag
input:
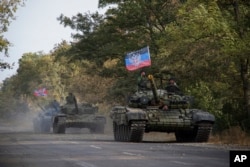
{"type": "Point", "coordinates": [41, 92]}
{"type": "Point", "coordinates": [138, 59]}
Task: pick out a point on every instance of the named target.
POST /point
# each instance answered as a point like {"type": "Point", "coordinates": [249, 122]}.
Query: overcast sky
{"type": "Point", "coordinates": [36, 27]}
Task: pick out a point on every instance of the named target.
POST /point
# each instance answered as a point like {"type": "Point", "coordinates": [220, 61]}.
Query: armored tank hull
{"type": "Point", "coordinates": [157, 110]}
{"type": "Point", "coordinates": [189, 125]}
{"type": "Point", "coordinates": [42, 123]}
{"type": "Point", "coordinates": [85, 117]}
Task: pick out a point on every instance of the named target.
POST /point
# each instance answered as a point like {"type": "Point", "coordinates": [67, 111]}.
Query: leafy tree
{"type": "Point", "coordinates": [86, 25]}
{"type": "Point", "coordinates": [7, 10]}
{"type": "Point", "coordinates": [126, 27]}
{"type": "Point", "coordinates": [204, 44]}
{"type": "Point", "coordinates": [237, 46]}
{"type": "Point", "coordinates": [45, 72]}
{"type": "Point", "coordinates": [36, 70]}
{"type": "Point", "coordinates": [10, 103]}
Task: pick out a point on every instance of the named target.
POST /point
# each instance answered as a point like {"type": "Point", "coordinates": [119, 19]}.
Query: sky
{"type": "Point", "coordinates": [36, 27]}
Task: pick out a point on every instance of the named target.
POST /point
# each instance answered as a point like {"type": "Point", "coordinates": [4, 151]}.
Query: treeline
{"type": "Point", "coordinates": [204, 44]}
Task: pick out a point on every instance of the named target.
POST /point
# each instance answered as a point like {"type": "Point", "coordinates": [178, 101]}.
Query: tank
{"type": "Point", "coordinates": [157, 110]}
{"type": "Point", "coordinates": [42, 123]}
{"type": "Point", "coordinates": [84, 115]}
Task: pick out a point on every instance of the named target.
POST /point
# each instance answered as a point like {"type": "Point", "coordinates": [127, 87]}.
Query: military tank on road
{"type": "Point", "coordinates": [84, 115]}
{"type": "Point", "coordinates": [157, 110]}
{"type": "Point", "coordinates": [42, 123]}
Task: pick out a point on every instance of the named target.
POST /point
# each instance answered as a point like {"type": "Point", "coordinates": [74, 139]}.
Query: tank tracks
{"type": "Point", "coordinates": [199, 134]}
{"type": "Point", "coordinates": [59, 125]}
{"type": "Point", "coordinates": [134, 132]}
{"type": "Point", "coordinates": [129, 133]}
{"type": "Point", "coordinates": [203, 132]}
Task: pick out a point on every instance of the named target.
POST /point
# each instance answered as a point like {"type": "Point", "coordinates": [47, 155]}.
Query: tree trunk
{"type": "Point", "coordinates": [246, 85]}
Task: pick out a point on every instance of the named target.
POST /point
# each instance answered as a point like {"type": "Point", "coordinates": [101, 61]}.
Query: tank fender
{"type": "Point", "coordinates": [201, 116]}
{"type": "Point", "coordinates": [117, 111]}
{"type": "Point", "coordinates": [118, 115]}
{"type": "Point", "coordinates": [135, 114]}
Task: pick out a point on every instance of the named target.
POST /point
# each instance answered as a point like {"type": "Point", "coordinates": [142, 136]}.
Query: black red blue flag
{"type": "Point", "coordinates": [41, 92]}
{"type": "Point", "coordinates": [138, 59]}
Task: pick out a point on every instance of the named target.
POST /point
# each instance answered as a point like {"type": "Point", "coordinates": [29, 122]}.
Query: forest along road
{"type": "Point", "coordinates": [27, 149]}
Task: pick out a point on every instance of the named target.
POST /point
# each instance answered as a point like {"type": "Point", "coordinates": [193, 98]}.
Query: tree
{"type": "Point", "coordinates": [127, 26]}
{"type": "Point", "coordinates": [237, 13]}
{"type": "Point", "coordinates": [7, 10]}
{"type": "Point", "coordinates": [208, 47]}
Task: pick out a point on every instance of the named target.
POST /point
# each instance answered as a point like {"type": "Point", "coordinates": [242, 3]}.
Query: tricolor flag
{"type": "Point", "coordinates": [41, 92]}
{"type": "Point", "coordinates": [138, 59]}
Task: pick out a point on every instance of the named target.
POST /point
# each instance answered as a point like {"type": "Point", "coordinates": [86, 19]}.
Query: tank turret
{"type": "Point", "coordinates": [83, 115]}
{"type": "Point", "coordinates": [159, 97]}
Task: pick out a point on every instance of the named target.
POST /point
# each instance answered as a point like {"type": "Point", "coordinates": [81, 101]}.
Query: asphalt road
{"type": "Point", "coordinates": [82, 149]}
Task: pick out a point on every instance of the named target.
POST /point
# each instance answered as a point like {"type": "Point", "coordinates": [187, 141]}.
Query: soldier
{"type": "Point", "coordinates": [70, 99]}
{"type": "Point", "coordinates": [172, 87]}
{"type": "Point", "coordinates": [142, 81]}
{"type": "Point", "coordinates": [71, 102]}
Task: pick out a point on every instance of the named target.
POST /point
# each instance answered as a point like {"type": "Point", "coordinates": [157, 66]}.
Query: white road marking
{"type": "Point", "coordinates": [73, 142]}
{"type": "Point", "coordinates": [183, 163]}
{"type": "Point", "coordinates": [80, 163]}
{"type": "Point", "coordinates": [132, 154]}
{"type": "Point", "coordinates": [127, 153]}
{"type": "Point", "coordinates": [85, 164]}
{"type": "Point", "coordinates": [95, 147]}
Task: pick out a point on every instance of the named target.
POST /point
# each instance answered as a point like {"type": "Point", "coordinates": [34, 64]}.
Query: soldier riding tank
{"type": "Point", "coordinates": [157, 110]}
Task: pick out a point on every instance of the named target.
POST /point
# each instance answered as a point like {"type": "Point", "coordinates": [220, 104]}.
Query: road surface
{"type": "Point", "coordinates": [82, 149]}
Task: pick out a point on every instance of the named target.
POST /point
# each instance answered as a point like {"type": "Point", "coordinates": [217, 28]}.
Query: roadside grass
{"type": "Point", "coordinates": [234, 135]}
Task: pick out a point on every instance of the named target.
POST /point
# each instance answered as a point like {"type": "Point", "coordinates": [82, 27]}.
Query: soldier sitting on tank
{"type": "Point", "coordinates": [70, 99]}
{"type": "Point", "coordinates": [142, 81]}
{"type": "Point", "coordinates": [172, 87]}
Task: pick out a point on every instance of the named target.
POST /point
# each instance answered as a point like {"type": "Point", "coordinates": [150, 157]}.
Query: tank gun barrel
{"type": "Point", "coordinates": [41, 107]}
{"type": "Point", "coordinates": [154, 88]}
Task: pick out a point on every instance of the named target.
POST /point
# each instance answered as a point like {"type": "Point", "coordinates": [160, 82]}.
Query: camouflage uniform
{"type": "Point", "coordinates": [142, 81]}
{"type": "Point", "coordinates": [172, 87]}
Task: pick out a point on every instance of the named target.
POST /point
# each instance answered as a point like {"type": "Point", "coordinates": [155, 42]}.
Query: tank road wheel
{"type": "Point", "coordinates": [200, 134]}
{"type": "Point", "coordinates": [59, 125]}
